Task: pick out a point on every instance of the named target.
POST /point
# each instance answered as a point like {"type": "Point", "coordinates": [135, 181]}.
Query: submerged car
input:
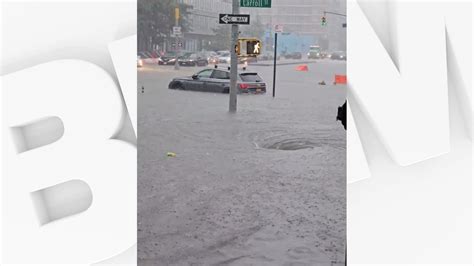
{"type": "Point", "coordinates": [218, 80]}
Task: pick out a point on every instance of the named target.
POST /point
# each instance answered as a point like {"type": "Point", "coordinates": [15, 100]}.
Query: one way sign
{"type": "Point", "coordinates": [234, 19]}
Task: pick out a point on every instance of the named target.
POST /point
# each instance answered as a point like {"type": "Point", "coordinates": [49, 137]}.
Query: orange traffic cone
{"type": "Point", "coordinates": [302, 68]}
{"type": "Point", "coordinates": [340, 79]}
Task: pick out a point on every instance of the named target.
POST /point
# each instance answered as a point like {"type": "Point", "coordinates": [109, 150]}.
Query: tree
{"type": "Point", "coordinates": [155, 20]}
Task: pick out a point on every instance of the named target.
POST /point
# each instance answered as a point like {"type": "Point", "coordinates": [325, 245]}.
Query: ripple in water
{"type": "Point", "coordinates": [291, 144]}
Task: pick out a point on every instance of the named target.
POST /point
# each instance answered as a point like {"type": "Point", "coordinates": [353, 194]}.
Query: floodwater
{"type": "Point", "coordinates": [263, 186]}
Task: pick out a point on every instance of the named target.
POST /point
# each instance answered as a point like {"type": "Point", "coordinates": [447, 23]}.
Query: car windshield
{"type": "Point", "coordinates": [206, 73]}
{"type": "Point", "coordinates": [250, 77]}
{"type": "Point", "coordinates": [188, 56]}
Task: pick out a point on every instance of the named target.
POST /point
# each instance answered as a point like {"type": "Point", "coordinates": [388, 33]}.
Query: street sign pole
{"type": "Point", "coordinates": [233, 61]}
{"type": "Point", "coordinates": [176, 16]}
{"type": "Point", "coordinates": [275, 63]}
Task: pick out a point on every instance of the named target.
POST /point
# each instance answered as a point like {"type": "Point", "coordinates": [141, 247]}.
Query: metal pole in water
{"type": "Point", "coordinates": [275, 63]}
{"type": "Point", "coordinates": [233, 61]}
{"type": "Point", "coordinates": [176, 24]}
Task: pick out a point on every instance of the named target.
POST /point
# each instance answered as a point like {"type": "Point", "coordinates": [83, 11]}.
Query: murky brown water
{"type": "Point", "coordinates": [264, 186]}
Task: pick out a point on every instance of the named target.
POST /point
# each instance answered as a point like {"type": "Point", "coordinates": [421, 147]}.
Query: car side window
{"type": "Point", "coordinates": [219, 74]}
{"type": "Point", "coordinates": [205, 73]}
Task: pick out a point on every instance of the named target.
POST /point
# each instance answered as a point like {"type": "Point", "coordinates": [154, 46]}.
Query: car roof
{"type": "Point", "coordinates": [228, 71]}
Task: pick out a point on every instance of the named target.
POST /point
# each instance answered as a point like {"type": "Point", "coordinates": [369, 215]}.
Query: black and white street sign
{"type": "Point", "coordinates": [234, 19]}
{"type": "Point", "coordinates": [177, 30]}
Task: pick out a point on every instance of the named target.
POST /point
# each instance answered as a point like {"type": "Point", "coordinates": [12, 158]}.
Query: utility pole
{"type": "Point", "coordinates": [233, 61]}
{"type": "Point", "coordinates": [176, 24]}
{"type": "Point", "coordinates": [275, 62]}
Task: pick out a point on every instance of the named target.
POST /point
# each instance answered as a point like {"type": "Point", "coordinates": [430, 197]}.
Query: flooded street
{"type": "Point", "coordinates": [264, 186]}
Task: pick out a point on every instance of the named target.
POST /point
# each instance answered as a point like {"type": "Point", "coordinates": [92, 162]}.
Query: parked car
{"type": "Point", "coordinates": [339, 55]}
{"type": "Point", "coordinates": [192, 60]}
{"type": "Point", "coordinates": [167, 59]}
{"type": "Point", "coordinates": [218, 80]}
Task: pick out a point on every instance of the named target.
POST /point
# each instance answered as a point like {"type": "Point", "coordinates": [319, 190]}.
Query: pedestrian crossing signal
{"type": "Point", "coordinates": [253, 47]}
{"type": "Point", "coordinates": [323, 21]}
{"type": "Point", "coordinates": [248, 47]}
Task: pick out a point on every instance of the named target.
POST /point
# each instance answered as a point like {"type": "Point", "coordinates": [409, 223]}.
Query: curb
{"type": "Point", "coordinates": [283, 64]}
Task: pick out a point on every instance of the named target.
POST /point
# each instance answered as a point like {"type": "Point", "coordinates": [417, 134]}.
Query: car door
{"type": "Point", "coordinates": [218, 82]}
{"type": "Point", "coordinates": [197, 83]}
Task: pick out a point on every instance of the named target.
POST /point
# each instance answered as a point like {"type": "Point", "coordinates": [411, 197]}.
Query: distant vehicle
{"type": "Point", "coordinates": [339, 55]}
{"type": "Point", "coordinates": [167, 59]}
{"type": "Point", "coordinates": [149, 57]}
{"type": "Point", "coordinates": [218, 81]}
{"type": "Point", "coordinates": [212, 57]}
{"type": "Point", "coordinates": [145, 54]}
{"type": "Point", "coordinates": [192, 60]}
{"type": "Point", "coordinates": [325, 54]}
{"type": "Point", "coordinates": [222, 52]}
{"type": "Point", "coordinates": [139, 61]}
{"type": "Point", "coordinates": [314, 52]}
{"type": "Point", "coordinates": [294, 55]}
{"type": "Point", "coordinates": [223, 57]}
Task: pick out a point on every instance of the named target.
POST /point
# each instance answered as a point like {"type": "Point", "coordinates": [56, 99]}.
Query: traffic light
{"type": "Point", "coordinates": [323, 21]}
{"type": "Point", "coordinates": [253, 47]}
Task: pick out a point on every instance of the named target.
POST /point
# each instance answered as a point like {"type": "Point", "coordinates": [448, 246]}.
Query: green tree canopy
{"type": "Point", "coordinates": [155, 20]}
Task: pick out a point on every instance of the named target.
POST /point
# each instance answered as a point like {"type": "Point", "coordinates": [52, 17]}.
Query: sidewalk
{"type": "Point", "coordinates": [283, 62]}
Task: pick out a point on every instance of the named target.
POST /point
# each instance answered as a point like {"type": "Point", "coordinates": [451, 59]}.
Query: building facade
{"type": "Point", "coordinates": [301, 21]}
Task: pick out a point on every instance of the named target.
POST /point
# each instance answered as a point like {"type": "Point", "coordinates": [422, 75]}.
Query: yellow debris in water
{"type": "Point", "coordinates": [171, 154]}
